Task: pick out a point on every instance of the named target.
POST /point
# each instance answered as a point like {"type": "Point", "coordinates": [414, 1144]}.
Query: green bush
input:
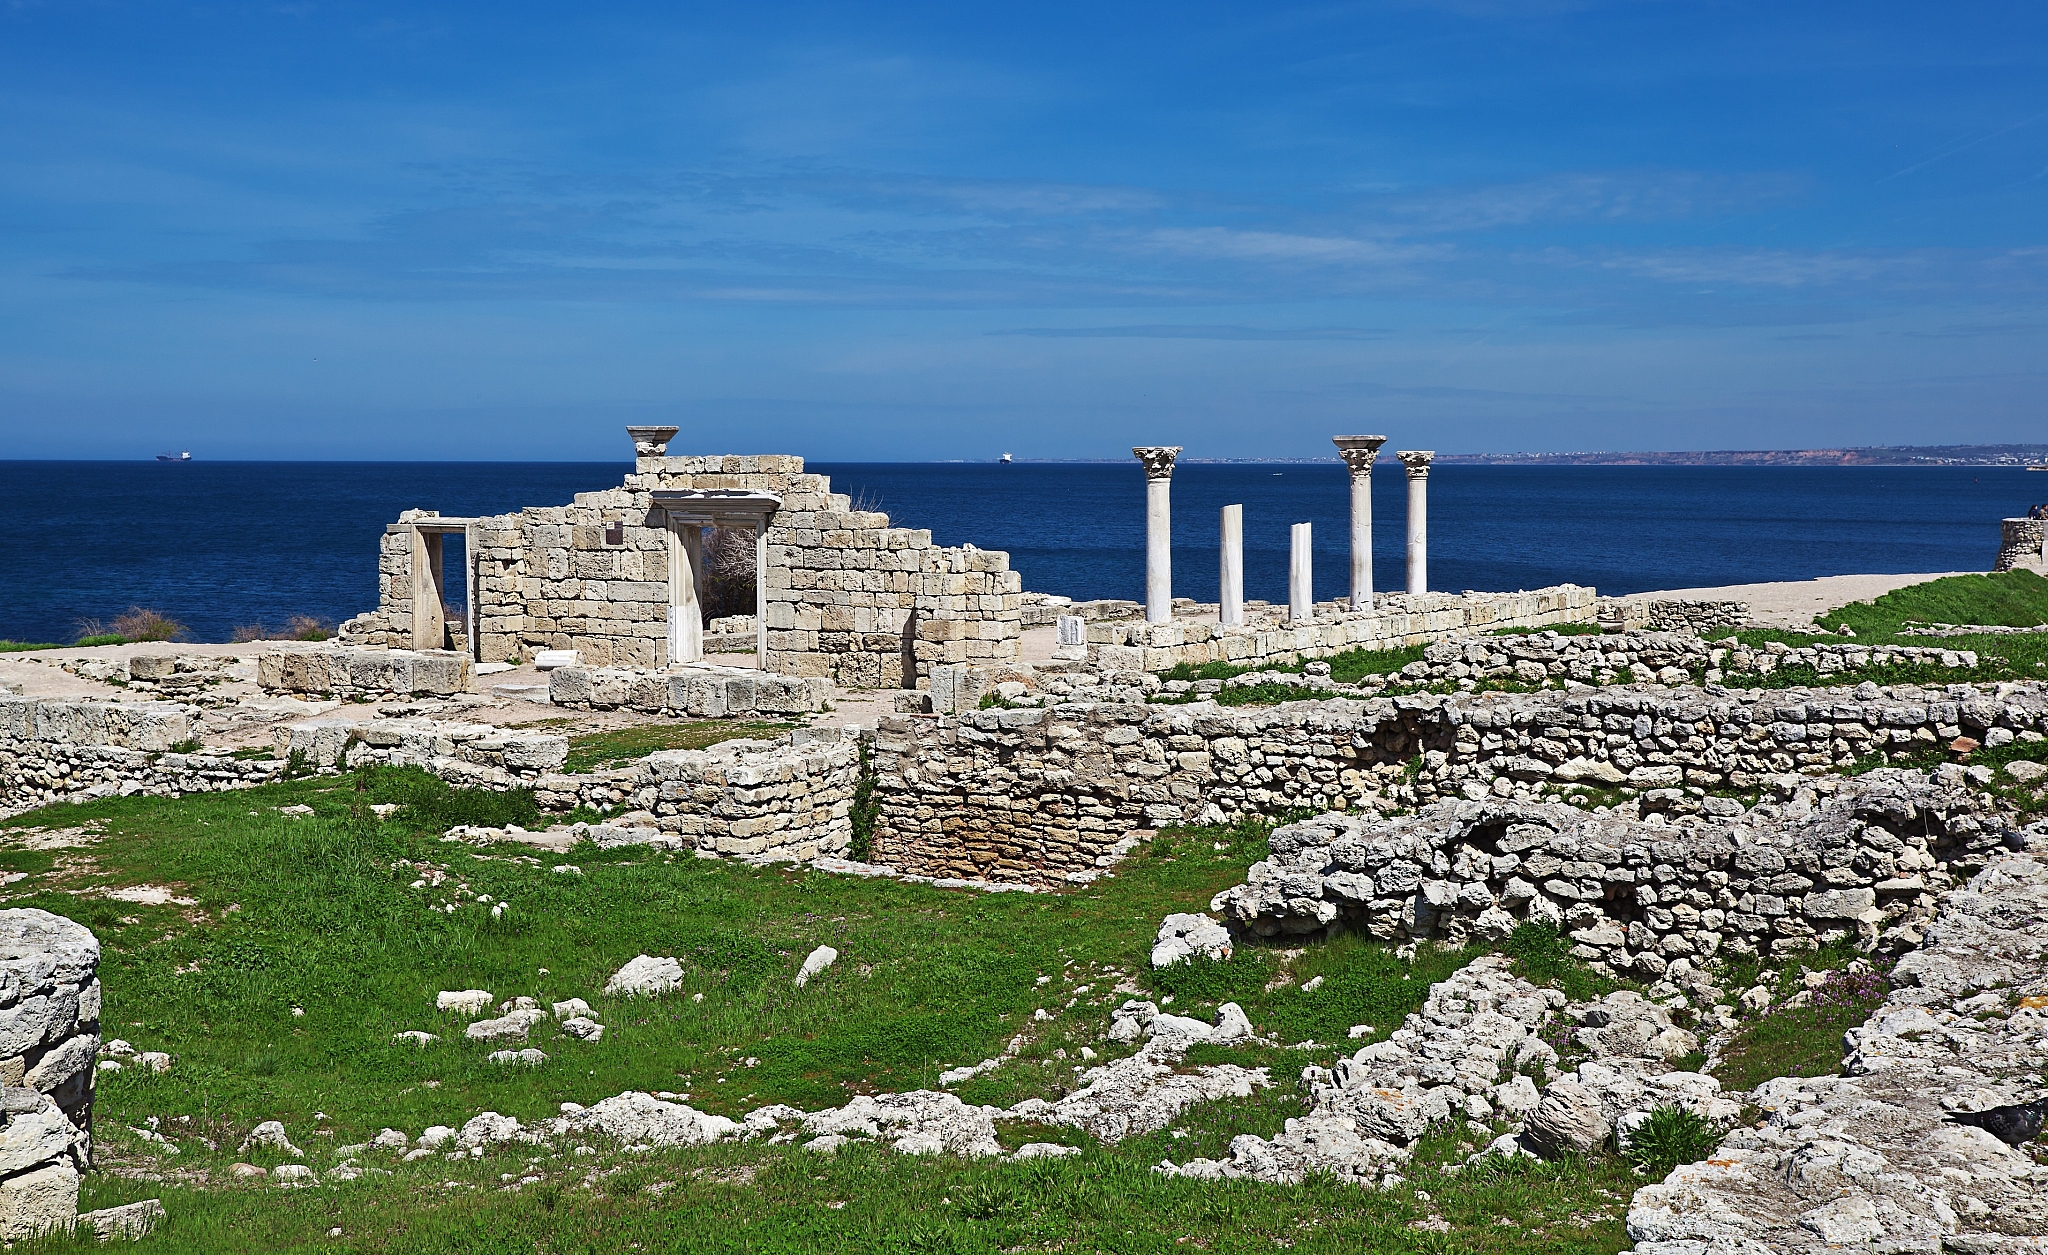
{"type": "Point", "coordinates": [1670, 1137]}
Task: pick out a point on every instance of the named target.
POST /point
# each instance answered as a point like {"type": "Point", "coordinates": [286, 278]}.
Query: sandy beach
{"type": "Point", "coordinates": [1795, 603]}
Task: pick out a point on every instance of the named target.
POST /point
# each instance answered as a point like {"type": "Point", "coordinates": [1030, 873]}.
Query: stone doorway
{"type": "Point", "coordinates": [689, 512]}
{"type": "Point", "coordinates": [444, 555]}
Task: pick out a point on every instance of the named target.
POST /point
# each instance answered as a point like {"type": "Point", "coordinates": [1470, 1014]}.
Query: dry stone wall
{"type": "Point", "coordinates": [49, 1037]}
{"type": "Point", "coordinates": [1858, 860]}
{"type": "Point", "coordinates": [1675, 614]}
{"type": "Point", "coordinates": [2019, 546]}
{"type": "Point", "coordinates": [1019, 794]}
{"type": "Point", "coordinates": [52, 750]}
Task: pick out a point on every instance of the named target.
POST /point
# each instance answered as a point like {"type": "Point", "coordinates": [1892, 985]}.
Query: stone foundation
{"type": "Point", "coordinates": [1396, 621]}
{"type": "Point", "coordinates": [1673, 615]}
{"type": "Point", "coordinates": [699, 692]}
{"type": "Point", "coordinates": [354, 672]}
{"type": "Point", "coordinates": [1024, 794]}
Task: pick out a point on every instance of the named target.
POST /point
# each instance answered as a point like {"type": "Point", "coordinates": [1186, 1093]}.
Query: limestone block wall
{"type": "Point", "coordinates": [791, 799]}
{"type": "Point", "coordinates": [699, 692]}
{"type": "Point", "coordinates": [1861, 860]}
{"type": "Point", "coordinates": [1397, 620]}
{"type": "Point", "coordinates": [56, 749]}
{"type": "Point", "coordinates": [477, 754]}
{"type": "Point", "coordinates": [49, 1037]}
{"type": "Point", "coordinates": [2019, 546]}
{"type": "Point", "coordinates": [848, 597]}
{"type": "Point", "coordinates": [341, 671]}
{"type": "Point", "coordinates": [1023, 794]}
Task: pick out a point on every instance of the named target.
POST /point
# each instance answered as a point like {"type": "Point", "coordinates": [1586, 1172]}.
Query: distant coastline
{"type": "Point", "coordinates": [2007, 455]}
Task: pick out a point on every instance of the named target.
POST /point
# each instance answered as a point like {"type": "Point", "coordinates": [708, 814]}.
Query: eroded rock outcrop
{"type": "Point", "coordinates": [1868, 1160]}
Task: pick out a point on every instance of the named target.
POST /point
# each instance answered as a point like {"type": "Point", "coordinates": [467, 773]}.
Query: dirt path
{"type": "Point", "coordinates": [1795, 603]}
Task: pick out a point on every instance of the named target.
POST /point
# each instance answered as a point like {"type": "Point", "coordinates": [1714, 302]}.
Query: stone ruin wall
{"type": "Point", "coordinates": [49, 1039]}
{"type": "Point", "coordinates": [1037, 793]}
{"type": "Point", "coordinates": [2020, 546]}
{"type": "Point", "coordinates": [849, 597]}
{"type": "Point", "coordinates": [1675, 614]}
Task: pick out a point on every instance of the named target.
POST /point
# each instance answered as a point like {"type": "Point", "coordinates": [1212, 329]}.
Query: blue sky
{"type": "Point", "coordinates": [312, 230]}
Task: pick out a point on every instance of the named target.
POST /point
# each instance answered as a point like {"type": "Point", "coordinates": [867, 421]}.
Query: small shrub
{"type": "Point", "coordinates": [248, 632]}
{"type": "Point", "coordinates": [139, 623]}
{"type": "Point", "coordinates": [867, 808]}
{"type": "Point", "coordinates": [306, 627]}
{"type": "Point", "coordinates": [1670, 1137]}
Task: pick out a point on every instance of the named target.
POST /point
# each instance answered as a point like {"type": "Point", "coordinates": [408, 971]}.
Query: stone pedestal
{"type": "Point", "coordinates": [651, 442]}
{"type": "Point", "coordinates": [1158, 463]}
{"type": "Point", "coordinates": [1230, 595]}
{"type": "Point", "coordinates": [1417, 463]}
{"type": "Point", "coordinates": [1301, 574]}
{"type": "Point", "coordinates": [1359, 453]}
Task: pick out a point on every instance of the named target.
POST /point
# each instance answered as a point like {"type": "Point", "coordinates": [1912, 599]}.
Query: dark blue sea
{"type": "Point", "coordinates": [217, 545]}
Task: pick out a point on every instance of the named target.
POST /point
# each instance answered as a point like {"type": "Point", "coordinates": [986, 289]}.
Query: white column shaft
{"type": "Point", "coordinates": [1418, 534]}
{"type": "Point", "coordinates": [1361, 541]}
{"type": "Point", "coordinates": [1230, 602]}
{"type": "Point", "coordinates": [685, 612]}
{"type": "Point", "coordinates": [1158, 551]}
{"type": "Point", "coordinates": [1301, 593]}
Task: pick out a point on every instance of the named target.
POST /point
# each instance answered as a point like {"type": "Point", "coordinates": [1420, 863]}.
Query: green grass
{"type": "Point", "coordinates": [1670, 1137]}
{"type": "Point", "coordinates": [1801, 1041]}
{"type": "Point", "coordinates": [21, 647]}
{"type": "Point", "coordinates": [600, 749]}
{"type": "Point", "coordinates": [315, 912]}
{"type": "Point", "coordinates": [99, 638]}
{"type": "Point", "coordinates": [2010, 599]}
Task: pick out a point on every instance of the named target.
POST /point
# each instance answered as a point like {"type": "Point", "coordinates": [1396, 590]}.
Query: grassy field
{"type": "Point", "coordinates": [274, 954]}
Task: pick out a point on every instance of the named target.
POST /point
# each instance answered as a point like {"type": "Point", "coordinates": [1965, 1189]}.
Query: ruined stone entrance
{"type": "Point", "coordinates": [689, 512]}
{"type": "Point", "coordinates": [431, 628]}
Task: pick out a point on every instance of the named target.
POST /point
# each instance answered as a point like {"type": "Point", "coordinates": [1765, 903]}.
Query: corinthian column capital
{"type": "Point", "coordinates": [1416, 460]}
{"type": "Point", "coordinates": [1158, 459]}
{"type": "Point", "coordinates": [1358, 452]}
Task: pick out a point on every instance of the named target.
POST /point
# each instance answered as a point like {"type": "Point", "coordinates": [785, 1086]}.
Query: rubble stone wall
{"type": "Point", "coordinates": [1022, 794]}
{"type": "Point", "coordinates": [2019, 546]}
{"type": "Point", "coordinates": [56, 749]}
{"type": "Point", "coordinates": [49, 1038]}
{"type": "Point", "coordinates": [1397, 620]}
{"type": "Point", "coordinates": [1674, 614]}
{"type": "Point", "coordinates": [848, 596]}
{"type": "Point", "coordinates": [785, 800]}
{"type": "Point", "coordinates": [1861, 860]}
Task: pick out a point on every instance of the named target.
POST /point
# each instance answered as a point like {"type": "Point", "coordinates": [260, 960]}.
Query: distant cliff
{"type": "Point", "coordinates": [1878, 455]}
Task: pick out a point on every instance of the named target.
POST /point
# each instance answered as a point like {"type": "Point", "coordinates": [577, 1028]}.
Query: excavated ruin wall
{"type": "Point", "coordinates": [49, 1036]}
{"type": "Point", "coordinates": [1023, 794]}
{"type": "Point", "coordinates": [1861, 860]}
{"type": "Point", "coordinates": [52, 749]}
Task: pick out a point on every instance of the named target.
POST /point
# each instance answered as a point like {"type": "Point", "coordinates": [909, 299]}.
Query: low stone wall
{"type": "Point", "coordinates": [49, 1036]}
{"type": "Point", "coordinates": [1023, 794]}
{"type": "Point", "coordinates": [1859, 860]}
{"type": "Point", "coordinates": [51, 750]}
{"type": "Point", "coordinates": [476, 754]}
{"type": "Point", "coordinates": [1396, 621]}
{"type": "Point", "coordinates": [348, 672]}
{"type": "Point", "coordinates": [2019, 546]}
{"type": "Point", "coordinates": [1674, 614]}
{"type": "Point", "coordinates": [704, 693]}
{"type": "Point", "coordinates": [786, 800]}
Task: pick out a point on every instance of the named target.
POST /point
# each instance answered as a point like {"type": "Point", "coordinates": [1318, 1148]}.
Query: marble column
{"type": "Point", "coordinates": [1417, 462]}
{"type": "Point", "coordinates": [1301, 574]}
{"type": "Point", "coordinates": [1359, 453]}
{"type": "Point", "coordinates": [1158, 462]}
{"type": "Point", "coordinates": [1230, 601]}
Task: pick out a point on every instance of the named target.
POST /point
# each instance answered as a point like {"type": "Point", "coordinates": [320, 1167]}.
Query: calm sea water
{"type": "Point", "coordinates": [216, 545]}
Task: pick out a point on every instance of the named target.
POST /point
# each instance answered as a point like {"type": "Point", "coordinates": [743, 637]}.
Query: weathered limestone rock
{"type": "Point", "coordinates": [1184, 936]}
{"type": "Point", "coordinates": [1867, 1159]}
{"type": "Point", "coordinates": [645, 976]}
{"type": "Point", "coordinates": [1568, 1120]}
